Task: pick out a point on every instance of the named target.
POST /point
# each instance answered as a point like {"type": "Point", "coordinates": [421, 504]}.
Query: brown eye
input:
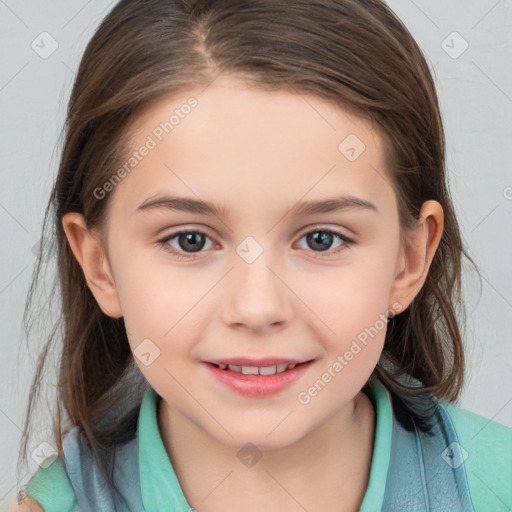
{"type": "Point", "coordinates": [187, 242]}
{"type": "Point", "coordinates": [191, 241]}
{"type": "Point", "coordinates": [321, 240]}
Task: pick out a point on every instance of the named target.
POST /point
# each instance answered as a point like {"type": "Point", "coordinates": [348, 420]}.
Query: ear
{"type": "Point", "coordinates": [415, 259]}
{"type": "Point", "coordinates": [88, 250]}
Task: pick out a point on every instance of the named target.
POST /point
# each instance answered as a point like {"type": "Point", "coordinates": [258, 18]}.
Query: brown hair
{"type": "Point", "coordinates": [353, 53]}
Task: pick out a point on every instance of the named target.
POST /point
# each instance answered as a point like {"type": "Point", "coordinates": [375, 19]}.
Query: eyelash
{"type": "Point", "coordinates": [166, 247]}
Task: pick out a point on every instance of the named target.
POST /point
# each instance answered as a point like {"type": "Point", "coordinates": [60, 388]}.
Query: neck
{"type": "Point", "coordinates": [327, 469]}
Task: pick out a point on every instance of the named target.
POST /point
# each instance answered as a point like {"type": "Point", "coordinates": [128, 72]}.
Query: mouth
{"type": "Point", "coordinates": [264, 369]}
{"type": "Point", "coordinates": [268, 377]}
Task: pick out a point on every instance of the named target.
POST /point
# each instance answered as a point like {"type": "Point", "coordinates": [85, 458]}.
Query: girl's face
{"type": "Point", "coordinates": [268, 275]}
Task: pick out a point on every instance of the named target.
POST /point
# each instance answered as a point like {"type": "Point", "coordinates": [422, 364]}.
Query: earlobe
{"type": "Point", "coordinates": [416, 257]}
{"type": "Point", "coordinates": [87, 248]}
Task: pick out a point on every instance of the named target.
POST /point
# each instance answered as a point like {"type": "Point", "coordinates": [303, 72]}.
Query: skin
{"type": "Point", "coordinates": [27, 505]}
{"type": "Point", "coordinates": [257, 153]}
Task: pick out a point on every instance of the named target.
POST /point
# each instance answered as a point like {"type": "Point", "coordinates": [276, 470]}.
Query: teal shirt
{"type": "Point", "coordinates": [486, 454]}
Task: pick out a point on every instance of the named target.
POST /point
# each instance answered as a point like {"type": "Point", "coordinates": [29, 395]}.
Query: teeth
{"type": "Point", "coordinates": [258, 370]}
{"type": "Point", "coordinates": [250, 370]}
{"type": "Point", "coordinates": [268, 370]}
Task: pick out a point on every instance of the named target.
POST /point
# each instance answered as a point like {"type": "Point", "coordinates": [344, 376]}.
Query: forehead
{"type": "Point", "coordinates": [238, 145]}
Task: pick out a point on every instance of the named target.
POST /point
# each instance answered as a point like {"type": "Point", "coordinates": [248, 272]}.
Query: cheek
{"type": "Point", "coordinates": [352, 297]}
{"type": "Point", "coordinates": [150, 305]}
{"type": "Point", "coordinates": [161, 302]}
{"type": "Point", "coordinates": [143, 294]}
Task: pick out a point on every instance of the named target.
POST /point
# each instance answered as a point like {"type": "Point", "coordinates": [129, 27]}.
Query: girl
{"type": "Point", "coordinates": [260, 267]}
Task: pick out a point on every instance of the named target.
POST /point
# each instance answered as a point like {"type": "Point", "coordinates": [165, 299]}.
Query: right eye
{"type": "Point", "coordinates": [186, 239]}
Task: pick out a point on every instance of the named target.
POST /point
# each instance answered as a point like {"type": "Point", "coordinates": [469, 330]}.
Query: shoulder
{"type": "Point", "coordinates": [486, 451]}
{"type": "Point", "coordinates": [27, 505]}
{"type": "Point", "coordinates": [50, 489]}
{"type": "Point", "coordinates": [76, 479]}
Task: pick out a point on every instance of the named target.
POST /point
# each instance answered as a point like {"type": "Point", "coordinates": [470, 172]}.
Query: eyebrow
{"type": "Point", "coordinates": [303, 208]}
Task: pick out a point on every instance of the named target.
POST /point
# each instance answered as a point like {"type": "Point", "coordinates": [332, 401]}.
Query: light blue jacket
{"type": "Point", "coordinates": [463, 464]}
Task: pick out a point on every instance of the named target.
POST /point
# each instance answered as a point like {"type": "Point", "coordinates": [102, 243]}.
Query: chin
{"type": "Point", "coordinates": [265, 436]}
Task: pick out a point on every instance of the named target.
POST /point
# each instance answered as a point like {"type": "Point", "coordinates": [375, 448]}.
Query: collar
{"type": "Point", "coordinates": [160, 486]}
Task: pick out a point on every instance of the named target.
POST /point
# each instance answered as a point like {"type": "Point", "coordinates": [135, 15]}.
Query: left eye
{"type": "Point", "coordinates": [322, 239]}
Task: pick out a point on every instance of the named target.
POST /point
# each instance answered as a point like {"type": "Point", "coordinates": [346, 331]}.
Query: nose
{"type": "Point", "coordinates": [258, 297]}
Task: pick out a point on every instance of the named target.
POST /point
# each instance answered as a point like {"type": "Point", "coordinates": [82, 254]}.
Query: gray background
{"type": "Point", "coordinates": [475, 89]}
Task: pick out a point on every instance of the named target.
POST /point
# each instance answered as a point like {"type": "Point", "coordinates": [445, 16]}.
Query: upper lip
{"type": "Point", "coordinates": [267, 361]}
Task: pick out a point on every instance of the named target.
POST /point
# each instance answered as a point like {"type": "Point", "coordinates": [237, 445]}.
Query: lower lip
{"type": "Point", "coordinates": [258, 385]}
